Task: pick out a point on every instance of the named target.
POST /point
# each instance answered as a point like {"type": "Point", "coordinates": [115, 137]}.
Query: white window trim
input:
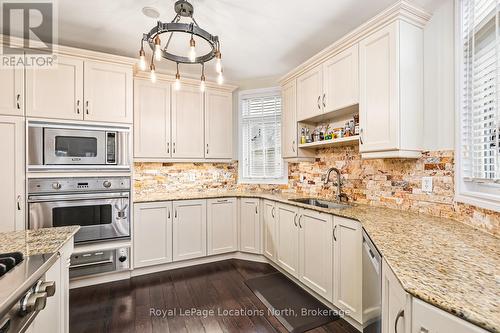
{"type": "Point", "coordinates": [265, 181]}
{"type": "Point", "coordinates": [463, 191]}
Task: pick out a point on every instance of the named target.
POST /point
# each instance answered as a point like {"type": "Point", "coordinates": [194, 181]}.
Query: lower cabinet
{"type": "Point", "coordinates": [222, 226]}
{"type": "Point", "coordinates": [347, 266]}
{"type": "Point", "coordinates": [189, 229]}
{"type": "Point", "coordinates": [396, 303]}
{"type": "Point", "coordinates": [287, 239]}
{"type": "Point", "coordinates": [269, 225]}
{"type": "Point", "coordinates": [152, 233]}
{"type": "Point", "coordinates": [250, 225]}
{"type": "Point", "coordinates": [315, 251]}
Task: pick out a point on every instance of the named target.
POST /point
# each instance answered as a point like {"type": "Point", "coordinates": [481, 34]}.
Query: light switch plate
{"type": "Point", "coordinates": [427, 184]}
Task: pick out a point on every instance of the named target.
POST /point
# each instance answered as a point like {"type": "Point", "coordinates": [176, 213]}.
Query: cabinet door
{"type": "Point", "coordinates": [218, 124]}
{"type": "Point", "coordinates": [429, 319]}
{"type": "Point", "coordinates": [187, 123]}
{"type": "Point", "coordinates": [340, 80]}
{"type": "Point", "coordinates": [12, 91]}
{"type": "Point", "coordinates": [57, 92]}
{"type": "Point", "coordinates": [347, 266]}
{"type": "Point", "coordinates": [189, 229]}
{"type": "Point", "coordinates": [309, 93]}
{"type": "Point", "coordinates": [151, 119]}
{"type": "Point", "coordinates": [315, 249]}
{"type": "Point", "coordinates": [289, 120]}
{"type": "Point", "coordinates": [12, 173]}
{"type": "Point", "coordinates": [269, 217]}
{"type": "Point", "coordinates": [396, 303]}
{"type": "Point", "coordinates": [222, 232]}
{"type": "Point", "coordinates": [249, 225]}
{"type": "Point", "coordinates": [152, 233]}
{"type": "Point", "coordinates": [108, 92]}
{"type": "Point", "coordinates": [378, 91]}
{"type": "Point", "coordinates": [288, 239]}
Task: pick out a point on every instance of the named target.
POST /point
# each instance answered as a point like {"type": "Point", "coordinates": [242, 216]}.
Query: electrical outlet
{"type": "Point", "coordinates": [192, 177]}
{"type": "Point", "coordinates": [302, 178]}
{"type": "Point", "coordinates": [427, 184]}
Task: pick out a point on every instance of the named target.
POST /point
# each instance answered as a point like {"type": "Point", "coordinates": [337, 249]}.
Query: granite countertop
{"type": "Point", "coordinates": [31, 242]}
{"type": "Point", "coordinates": [443, 262]}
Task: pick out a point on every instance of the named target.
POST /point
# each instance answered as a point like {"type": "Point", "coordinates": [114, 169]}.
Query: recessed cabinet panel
{"type": "Point", "coordinates": [249, 225]}
{"type": "Point", "coordinates": [218, 124]}
{"type": "Point", "coordinates": [187, 123]}
{"type": "Point", "coordinates": [108, 92]}
{"type": "Point", "coordinates": [222, 231]}
{"type": "Point", "coordinates": [288, 239]}
{"type": "Point", "coordinates": [189, 229]}
{"type": "Point", "coordinates": [12, 91]}
{"type": "Point", "coordinates": [56, 92]}
{"type": "Point", "coordinates": [152, 135]}
{"type": "Point", "coordinates": [289, 120]}
{"type": "Point", "coordinates": [396, 303]}
{"type": "Point", "coordinates": [269, 218]}
{"type": "Point", "coordinates": [12, 173]}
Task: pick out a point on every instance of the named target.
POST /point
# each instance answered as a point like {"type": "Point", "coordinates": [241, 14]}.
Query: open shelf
{"type": "Point", "coordinates": [349, 140]}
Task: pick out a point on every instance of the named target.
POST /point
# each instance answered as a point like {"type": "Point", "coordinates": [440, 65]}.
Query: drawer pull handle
{"type": "Point", "coordinates": [401, 314]}
{"type": "Point", "coordinates": [334, 237]}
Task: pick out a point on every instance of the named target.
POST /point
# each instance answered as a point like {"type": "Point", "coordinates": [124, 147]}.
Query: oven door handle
{"type": "Point", "coordinates": [95, 263]}
{"type": "Point", "coordinates": [71, 197]}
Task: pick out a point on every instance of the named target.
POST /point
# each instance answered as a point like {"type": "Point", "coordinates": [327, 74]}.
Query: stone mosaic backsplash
{"type": "Point", "coordinates": [393, 183]}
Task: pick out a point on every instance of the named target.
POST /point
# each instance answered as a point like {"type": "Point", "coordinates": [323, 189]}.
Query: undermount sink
{"type": "Point", "coordinates": [320, 203]}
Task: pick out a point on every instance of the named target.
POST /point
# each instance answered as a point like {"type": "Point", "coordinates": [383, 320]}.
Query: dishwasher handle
{"type": "Point", "coordinates": [373, 255]}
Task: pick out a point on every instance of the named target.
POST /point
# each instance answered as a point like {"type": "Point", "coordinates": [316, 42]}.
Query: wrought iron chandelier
{"type": "Point", "coordinates": [182, 9]}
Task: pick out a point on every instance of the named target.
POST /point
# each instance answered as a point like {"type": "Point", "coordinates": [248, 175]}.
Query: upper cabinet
{"type": "Point", "coordinates": [309, 93]}
{"type": "Point", "coordinates": [56, 93]}
{"type": "Point", "coordinates": [77, 89]}
{"type": "Point", "coordinates": [152, 117]}
{"type": "Point", "coordinates": [391, 92]}
{"type": "Point", "coordinates": [187, 123]}
{"type": "Point", "coordinates": [108, 92]}
{"type": "Point", "coordinates": [12, 91]}
{"type": "Point", "coordinates": [218, 124]}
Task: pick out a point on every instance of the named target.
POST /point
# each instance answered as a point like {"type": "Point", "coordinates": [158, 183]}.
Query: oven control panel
{"type": "Point", "coordinates": [53, 185]}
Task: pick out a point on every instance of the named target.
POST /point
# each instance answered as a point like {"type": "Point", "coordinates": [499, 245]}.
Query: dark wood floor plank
{"type": "Point", "coordinates": [124, 306]}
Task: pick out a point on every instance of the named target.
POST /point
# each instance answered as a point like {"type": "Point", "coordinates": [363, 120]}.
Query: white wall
{"type": "Point", "coordinates": [439, 98]}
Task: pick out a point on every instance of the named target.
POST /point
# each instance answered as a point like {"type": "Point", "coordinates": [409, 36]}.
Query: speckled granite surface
{"type": "Point", "coordinates": [29, 242]}
{"type": "Point", "coordinates": [448, 264]}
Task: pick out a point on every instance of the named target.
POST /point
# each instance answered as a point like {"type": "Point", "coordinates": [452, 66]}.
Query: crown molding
{"type": "Point", "coordinates": [401, 10]}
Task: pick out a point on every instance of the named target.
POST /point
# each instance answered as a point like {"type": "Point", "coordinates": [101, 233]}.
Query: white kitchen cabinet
{"type": "Point", "coordinates": [269, 225]}
{"type": "Point", "coordinates": [187, 123]}
{"type": "Point", "coordinates": [347, 266]}
{"type": "Point", "coordinates": [250, 225]}
{"type": "Point", "coordinates": [429, 319]}
{"type": "Point", "coordinates": [222, 226]}
{"type": "Point", "coordinates": [56, 93]}
{"type": "Point", "coordinates": [310, 93]}
{"type": "Point", "coordinates": [315, 251]}
{"type": "Point", "coordinates": [189, 229]}
{"type": "Point", "coordinates": [152, 135]}
{"type": "Point", "coordinates": [12, 173]}
{"type": "Point", "coordinates": [12, 91]}
{"type": "Point", "coordinates": [396, 303]}
{"type": "Point", "coordinates": [391, 92]}
{"type": "Point", "coordinates": [218, 124]}
{"type": "Point", "coordinates": [341, 80]}
{"type": "Point", "coordinates": [108, 92]}
{"type": "Point", "coordinates": [287, 236]}
{"type": "Point", "coordinates": [152, 233]}
{"type": "Point", "coordinates": [289, 133]}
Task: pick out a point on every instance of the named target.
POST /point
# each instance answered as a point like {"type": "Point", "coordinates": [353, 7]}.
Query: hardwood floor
{"type": "Point", "coordinates": [124, 306]}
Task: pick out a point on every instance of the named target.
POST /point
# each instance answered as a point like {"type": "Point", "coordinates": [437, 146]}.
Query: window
{"type": "Point", "coordinates": [478, 151]}
{"type": "Point", "coordinates": [260, 137]}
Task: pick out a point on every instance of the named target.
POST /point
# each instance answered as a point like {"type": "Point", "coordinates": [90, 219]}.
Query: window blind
{"type": "Point", "coordinates": [480, 116]}
{"type": "Point", "coordinates": [261, 137]}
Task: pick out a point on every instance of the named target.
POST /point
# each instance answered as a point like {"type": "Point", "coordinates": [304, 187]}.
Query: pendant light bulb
{"type": "Point", "coordinates": [218, 62]}
{"type": "Point", "coordinates": [157, 48]}
{"type": "Point", "coordinates": [192, 50]}
{"type": "Point", "coordinates": [142, 59]}
{"type": "Point", "coordinates": [177, 83]}
{"type": "Point", "coordinates": [220, 78]}
{"type": "Point", "coordinates": [152, 73]}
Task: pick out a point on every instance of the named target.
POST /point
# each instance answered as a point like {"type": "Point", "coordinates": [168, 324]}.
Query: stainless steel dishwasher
{"type": "Point", "coordinates": [372, 287]}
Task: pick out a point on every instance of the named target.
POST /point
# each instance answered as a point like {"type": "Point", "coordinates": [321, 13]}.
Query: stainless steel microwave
{"type": "Point", "coordinates": [59, 146]}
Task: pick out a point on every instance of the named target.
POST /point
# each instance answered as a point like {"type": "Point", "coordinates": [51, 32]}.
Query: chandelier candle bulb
{"type": "Point", "coordinates": [142, 59]}
{"type": "Point", "coordinates": [220, 78]}
{"type": "Point", "coordinates": [218, 62]}
{"type": "Point", "coordinates": [192, 50]}
{"type": "Point", "coordinates": [157, 48]}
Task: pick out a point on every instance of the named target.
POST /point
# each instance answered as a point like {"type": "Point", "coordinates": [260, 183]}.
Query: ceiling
{"type": "Point", "coordinates": [259, 38]}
